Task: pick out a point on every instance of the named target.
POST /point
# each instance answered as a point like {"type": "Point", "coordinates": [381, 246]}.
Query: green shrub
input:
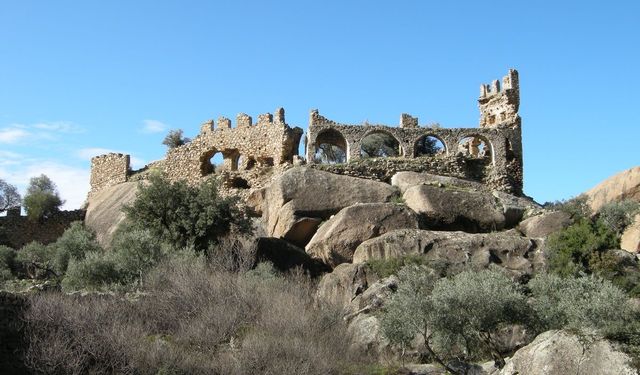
{"type": "Point", "coordinates": [74, 243]}
{"type": "Point", "coordinates": [585, 303]}
{"type": "Point", "coordinates": [391, 266]}
{"type": "Point", "coordinates": [619, 215]}
{"type": "Point", "coordinates": [469, 308]}
{"type": "Point", "coordinates": [7, 260]}
{"type": "Point", "coordinates": [571, 251]}
{"type": "Point", "coordinates": [136, 251]}
{"type": "Point", "coordinates": [42, 198]}
{"type": "Point", "coordinates": [96, 271]}
{"type": "Point", "coordinates": [37, 260]}
{"type": "Point", "coordinates": [578, 208]}
{"type": "Point", "coordinates": [186, 216]}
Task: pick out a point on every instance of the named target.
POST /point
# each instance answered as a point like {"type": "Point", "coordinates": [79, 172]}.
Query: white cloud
{"type": "Point", "coordinates": [89, 152]}
{"type": "Point", "coordinates": [154, 126]}
{"type": "Point", "coordinates": [72, 182]}
{"type": "Point", "coordinates": [13, 134]}
{"type": "Point", "coordinates": [58, 127]}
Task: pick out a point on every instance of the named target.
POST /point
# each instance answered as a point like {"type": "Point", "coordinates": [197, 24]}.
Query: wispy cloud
{"type": "Point", "coordinates": [13, 134]}
{"type": "Point", "coordinates": [153, 126]}
{"type": "Point", "coordinates": [58, 127]}
{"type": "Point", "coordinates": [89, 152]}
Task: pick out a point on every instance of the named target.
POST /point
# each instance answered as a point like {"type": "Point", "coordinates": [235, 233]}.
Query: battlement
{"type": "Point", "coordinates": [244, 121]}
{"type": "Point", "coordinates": [499, 103]}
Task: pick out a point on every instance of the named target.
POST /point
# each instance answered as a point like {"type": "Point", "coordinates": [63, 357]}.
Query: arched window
{"type": "Point", "coordinates": [428, 145]}
{"type": "Point", "coordinates": [476, 146]}
{"type": "Point", "coordinates": [330, 148]}
{"type": "Point", "coordinates": [210, 162]}
{"type": "Point", "coordinates": [379, 144]}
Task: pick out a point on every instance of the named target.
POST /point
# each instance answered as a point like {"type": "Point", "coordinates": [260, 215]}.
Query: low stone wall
{"type": "Point", "coordinates": [17, 231]}
{"type": "Point", "coordinates": [12, 338]}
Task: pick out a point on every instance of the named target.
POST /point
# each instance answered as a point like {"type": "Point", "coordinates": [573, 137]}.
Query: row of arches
{"type": "Point", "coordinates": [331, 147]}
{"type": "Point", "coordinates": [214, 161]}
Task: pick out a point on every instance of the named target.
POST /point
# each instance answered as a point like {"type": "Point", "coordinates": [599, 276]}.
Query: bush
{"type": "Point", "coordinates": [577, 207]}
{"type": "Point", "coordinates": [42, 198]}
{"type": "Point", "coordinates": [37, 260]}
{"type": "Point", "coordinates": [572, 251]}
{"type": "Point", "coordinates": [192, 320]}
{"type": "Point", "coordinates": [136, 251]}
{"type": "Point", "coordinates": [470, 308]}
{"type": "Point", "coordinates": [619, 215]}
{"type": "Point", "coordinates": [74, 243]}
{"type": "Point", "coordinates": [7, 260]}
{"type": "Point", "coordinates": [186, 216]}
{"type": "Point", "coordinates": [387, 267]}
{"type": "Point", "coordinates": [581, 304]}
{"type": "Point", "coordinates": [175, 139]}
{"type": "Point", "coordinates": [96, 271]}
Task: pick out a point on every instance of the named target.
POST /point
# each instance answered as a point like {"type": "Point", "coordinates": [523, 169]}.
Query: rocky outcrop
{"type": "Point", "coordinates": [104, 210]}
{"type": "Point", "coordinates": [285, 256]}
{"type": "Point", "coordinates": [405, 180]}
{"type": "Point", "coordinates": [337, 239]}
{"type": "Point", "coordinates": [455, 209]}
{"type": "Point", "coordinates": [560, 352]}
{"type": "Point", "coordinates": [630, 240]}
{"type": "Point", "coordinates": [344, 284]}
{"type": "Point", "coordinates": [453, 250]}
{"type": "Point", "coordinates": [543, 225]}
{"type": "Point", "coordinates": [296, 202]}
{"type": "Point", "coordinates": [624, 185]}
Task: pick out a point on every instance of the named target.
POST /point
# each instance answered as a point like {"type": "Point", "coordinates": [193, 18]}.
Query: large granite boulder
{"type": "Point", "coordinates": [451, 208]}
{"type": "Point", "coordinates": [541, 226]}
{"type": "Point", "coordinates": [405, 180]}
{"type": "Point", "coordinates": [453, 250]}
{"type": "Point", "coordinates": [337, 239]}
{"type": "Point", "coordinates": [294, 205]}
{"type": "Point", "coordinates": [104, 210]}
{"type": "Point", "coordinates": [285, 256]}
{"type": "Point", "coordinates": [624, 185]}
{"type": "Point", "coordinates": [343, 285]}
{"type": "Point", "coordinates": [630, 240]}
{"type": "Point", "coordinates": [560, 352]}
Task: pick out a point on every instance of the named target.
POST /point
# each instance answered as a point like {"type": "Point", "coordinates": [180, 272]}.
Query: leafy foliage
{"type": "Point", "coordinates": [7, 260]}
{"type": "Point", "coordinates": [38, 260]}
{"type": "Point", "coordinates": [95, 271]}
{"type": "Point", "coordinates": [186, 216]}
{"type": "Point", "coordinates": [136, 251]}
{"type": "Point", "coordinates": [327, 153]}
{"type": "Point", "coordinates": [574, 250]}
{"type": "Point", "coordinates": [619, 215]}
{"type": "Point", "coordinates": [74, 243]}
{"type": "Point", "coordinates": [428, 146]}
{"type": "Point", "coordinates": [376, 145]}
{"type": "Point", "coordinates": [391, 266]}
{"type": "Point", "coordinates": [175, 139]}
{"type": "Point", "coordinates": [9, 196]}
{"type": "Point", "coordinates": [579, 303]}
{"type": "Point", "coordinates": [577, 207]}
{"type": "Point", "coordinates": [42, 198]}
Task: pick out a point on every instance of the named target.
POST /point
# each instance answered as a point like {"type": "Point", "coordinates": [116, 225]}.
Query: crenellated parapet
{"type": "Point", "coordinates": [269, 141]}
{"type": "Point", "coordinates": [499, 102]}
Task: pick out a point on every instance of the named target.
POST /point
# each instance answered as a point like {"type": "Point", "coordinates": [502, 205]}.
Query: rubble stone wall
{"type": "Point", "coordinates": [17, 231]}
{"type": "Point", "coordinates": [108, 170]}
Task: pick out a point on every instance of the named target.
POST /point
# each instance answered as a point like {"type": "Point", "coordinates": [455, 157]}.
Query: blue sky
{"type": "Point", "coordinates": [81, 77]}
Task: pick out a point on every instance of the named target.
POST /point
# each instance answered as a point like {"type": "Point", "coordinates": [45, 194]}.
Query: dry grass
{"type": "Point", "coordinates": [195, 319]}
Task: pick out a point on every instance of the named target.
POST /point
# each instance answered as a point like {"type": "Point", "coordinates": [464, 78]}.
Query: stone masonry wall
{"type": "Point", "coordinates": [269, 142]}
{"type": "Point", "coordinates": [17, 231]}
{"type": "Point", "coordinates": [108, 170]}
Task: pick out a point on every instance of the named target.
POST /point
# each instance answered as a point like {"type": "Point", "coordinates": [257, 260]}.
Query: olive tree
{"type": "Point", "coordinates": [9, 196]}
{"type": "Point", "coordinates": [42, 198]}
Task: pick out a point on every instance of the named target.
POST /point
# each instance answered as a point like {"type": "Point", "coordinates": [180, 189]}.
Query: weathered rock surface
{"type": "Point", "coordinates": [296, 202]}
{"type": "Point", "coordinates": [453, 249]}
{"type": "Point", "coordinates": [560, 352]}
{"type": "Point", "coordinates": [365, 334]}
{"type": "Point", "coordinates": [630, 240]}
{"type": "Point", "coordinates": [344, 284]}
{"type": "Point", "coordinates": [405, 180]}
{"type": "Point", "coordinates": [624, 185]}
{"type": "Point", "coordinates": [455, 209]}
{"type": "Point", "coordinates": [337, 239]}
{"type": "Point", "coordinates": [104, 210]}
{"type": "Point", "coordinates": [543, 225]}
{"type": "Point", "coordinates": [286, 256]}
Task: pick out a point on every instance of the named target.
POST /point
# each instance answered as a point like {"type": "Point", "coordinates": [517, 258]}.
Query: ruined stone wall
{"type": "Point", "coordinates": [108, 170]}
{"type": "Point", "coordinates": [16, 231]}
{"type": "Point", "coordinates": [269, 142]}
{"type": "Point", "coordinates": [499, 131]}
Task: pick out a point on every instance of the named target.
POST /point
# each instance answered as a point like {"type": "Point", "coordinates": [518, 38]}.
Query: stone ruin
{"type": "Point", "coordinates": [490, 153]}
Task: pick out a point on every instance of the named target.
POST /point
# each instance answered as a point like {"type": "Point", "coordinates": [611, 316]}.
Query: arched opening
{"type": "Point", "coordinates": [211, 162]}
{"type": "Point", "coordinates": [428, 145]}
{"type": "Point", "coordinates": [331, 148]}
{"type": "Point", "coordinates": [510, 154]}
{"type": "Point", "coordinates": [379, 144]}
{"type": "Point", "coordinates": [476, 146]}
